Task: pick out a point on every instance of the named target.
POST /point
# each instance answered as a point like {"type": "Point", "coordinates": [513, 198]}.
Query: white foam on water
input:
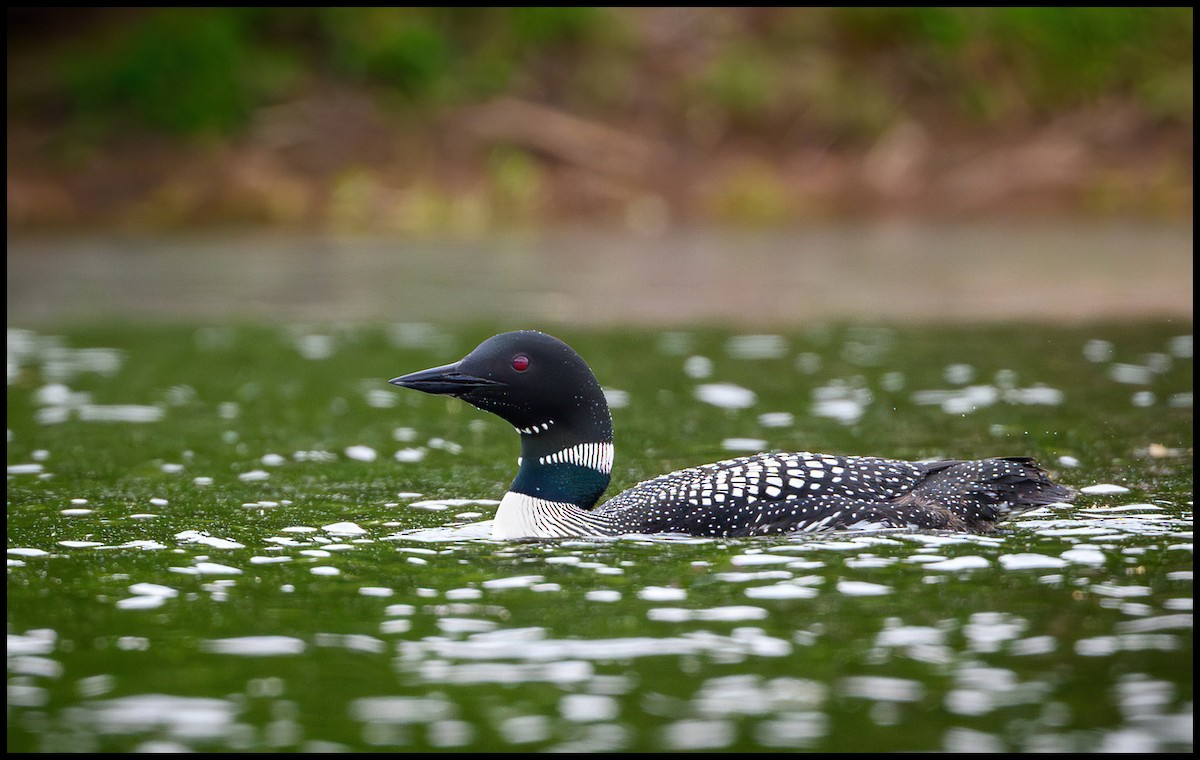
{"type": "Point", "coordinates": [458, 626]}
{"type": "Point", "coordinates": [32, 643]}
{"type": "Point", "coordinates": [1131, 374]}
{"type": "Point", "coordinates": [314, 347]}
{"type": "Point", "coordinates": [792, 729]}
{"type": "Point", "coordinates": [119, 413]}
{"type": "Point", "coordinates": [361, 453]}
{"type": "Point", "coordinates": [1104, 646]}
{"type": "Point", "coordinates": [776, 419]}
{"type": "Point", "coordinates": [470, 532]}
{"type": "Point", "coordinates": [986, 631]}
{"type": "Point", "coordinates": [750, 560]}
{"type": "Point", "coordinates": [380, 398]}
{"type": "Point", "coordinates": [848, 545]}
{"type": "Point", "coordinates": [269, 560]}
{"type": "Point", "coordinates": [870, 562]}
{"type": "Point", "coordinates": [354, 642]}
{"type": "Point", "coordinates": [603, 595]}
{"type": "Point", "coordinates": [202, 537]}
{"type": "Point", "coordinates": [781, 591]}
{"type": "Point", "coordinates": [515, 581]}
{"type": "Point", "coordinates": [1030, 561]}
{"type": "Point", "coordinates": [921, 643]}
{"type": "Point", "coordinates": [255, 646]}
{"type": "Point", "coordinates": [141, 602]}
{"type": "Point", "coordinates": [588, 708]}
{"type": "Point", "coordinates": [698, 367]}
{"type": "Point", "coordinates": [430, 504]}
{"type": "Point", "coordinates": [499, 645]}
{"type": "Point", "coordinates": [846, 409]}
{"type": "Point", "coordinates": [145, 544]}
{"type": "Point", "coordinates": [314, 456]}
{"type": "Point", "coordinates": [729, 613]}
{"type": "Point", "coordinates": [1073, 528]}
{"type": "Point", "coordinates": [184, 718]}
{"type": "Point", "coordinates": [381, 592]}
{"type": "Point", "coordinates": [1102, 488]}
{"type": "Point", "coordinates": [1156, 623]}
{"type": "Point", "coordinates": [744, 444]}
{"type": "Point", "coordinates": [762, 346]}
{"type": "Point", "coordinates": [1085, 555]}
{"type": "Point", "coordinates": [1119, 592]}
{"type": "Point", "coordinates": [956, 564]}
{"type": "Point", "coordinates": [401, 710]}
{"type": "Point", "coordinates": [207, 568]}
{"type": "Point", "coordinates": [1122, 508]}
{"type": "Point", "coordinates": [726, 395]}
{"type": "Point", "coordinates": [27, 551]}
{"type": "Point", "coordinates": [662, 594]}
{"type": "Point", "coordinates": [862, 588]}
{"type": "Point", "coordinates": [153, 589]}
{"type": "Point", "coordinates": [882, 688]}
{"type": "Point", "coordinates": [409, 454]}
{"type": "Point", "coordinates": [1036, 395]}
{"type": "Point", "coordinates": [697, 734]}
{"type": "Point", "coordinates": [344, 529]}
{"type": "Point", "coordinates": [760, 575]}
{"type": "Point", "coordinates": [560, 672]}
{"type": "Point", "coordinates": [616, 399]}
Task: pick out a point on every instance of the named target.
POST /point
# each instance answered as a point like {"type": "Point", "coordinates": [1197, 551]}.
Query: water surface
{"type": "Point", "coordinates": [240, 538]}
{"type": "Point", "coordinates": [875, 272]}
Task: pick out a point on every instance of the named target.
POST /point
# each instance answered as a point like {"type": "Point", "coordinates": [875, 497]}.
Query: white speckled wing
{"type": "Point", "coordinates": [767, 493]}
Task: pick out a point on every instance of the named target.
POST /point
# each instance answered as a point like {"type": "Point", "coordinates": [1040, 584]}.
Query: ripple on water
{"type": "Point", "coordinates": [177, 717]}
{"type": "Point", "coordinates": [729, 613]}
{"type": "Point", "coordinates": [696, 734]}
{"type": "Point", "coordinates": [882, 688]}
{"type": "Point", "coordinates": [726, 395]}
{"type": "Point", "coordinates": [254, 646]}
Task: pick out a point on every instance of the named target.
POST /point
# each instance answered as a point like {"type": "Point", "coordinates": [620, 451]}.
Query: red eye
{"type": "Point", "coordinates": [520, 362]}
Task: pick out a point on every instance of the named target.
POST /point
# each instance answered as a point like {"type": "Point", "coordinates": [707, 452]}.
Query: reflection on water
{"type": "Point", "coordinates": [856, 271]}
{"type": "Point", "coordinates": [183, 584]}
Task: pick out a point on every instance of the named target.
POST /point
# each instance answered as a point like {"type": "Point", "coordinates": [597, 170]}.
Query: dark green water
{"type": "Point", "coordinates": [243, 539]}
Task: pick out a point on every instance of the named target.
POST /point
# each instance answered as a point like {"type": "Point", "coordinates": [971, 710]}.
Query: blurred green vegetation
{"type": "Point", "coordinates": [206, 70]}
{"type": "Point", "coordinates": [425, 119]}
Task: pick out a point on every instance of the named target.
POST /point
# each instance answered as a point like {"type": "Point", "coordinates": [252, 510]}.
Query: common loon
{"type": "Point", "coordinates": [550, 395]}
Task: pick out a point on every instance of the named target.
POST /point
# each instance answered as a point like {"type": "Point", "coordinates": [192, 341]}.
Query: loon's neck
{"type": "Point", "coordinates": [562, 466]}
{"type": "Point", "coordinates": [564, 470]}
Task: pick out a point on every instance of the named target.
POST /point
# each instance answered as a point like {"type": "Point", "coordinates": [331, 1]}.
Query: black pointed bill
{"type": "Point", "coordinates": [448, 380]}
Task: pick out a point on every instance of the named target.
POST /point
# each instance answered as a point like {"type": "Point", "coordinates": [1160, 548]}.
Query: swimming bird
{"type": "Point", "coordinates": [545, 390]}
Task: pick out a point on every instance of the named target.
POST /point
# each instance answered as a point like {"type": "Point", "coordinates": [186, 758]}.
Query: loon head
{"type": "Point", "coordinates": [533, 380]}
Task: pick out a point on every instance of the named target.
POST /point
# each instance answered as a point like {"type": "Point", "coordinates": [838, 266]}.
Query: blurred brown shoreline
{"type": "Point", "coordinates": [337, 163]}
{"type": "Point", "coordinates": [645, 119]}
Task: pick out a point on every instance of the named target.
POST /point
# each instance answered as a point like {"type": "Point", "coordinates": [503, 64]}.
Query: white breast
{"type": "Point", "coordinates": [522, 516]}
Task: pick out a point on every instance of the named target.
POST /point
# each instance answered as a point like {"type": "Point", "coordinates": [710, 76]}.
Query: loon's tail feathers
{"type": "Point", "coordinates": [983, 492]}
